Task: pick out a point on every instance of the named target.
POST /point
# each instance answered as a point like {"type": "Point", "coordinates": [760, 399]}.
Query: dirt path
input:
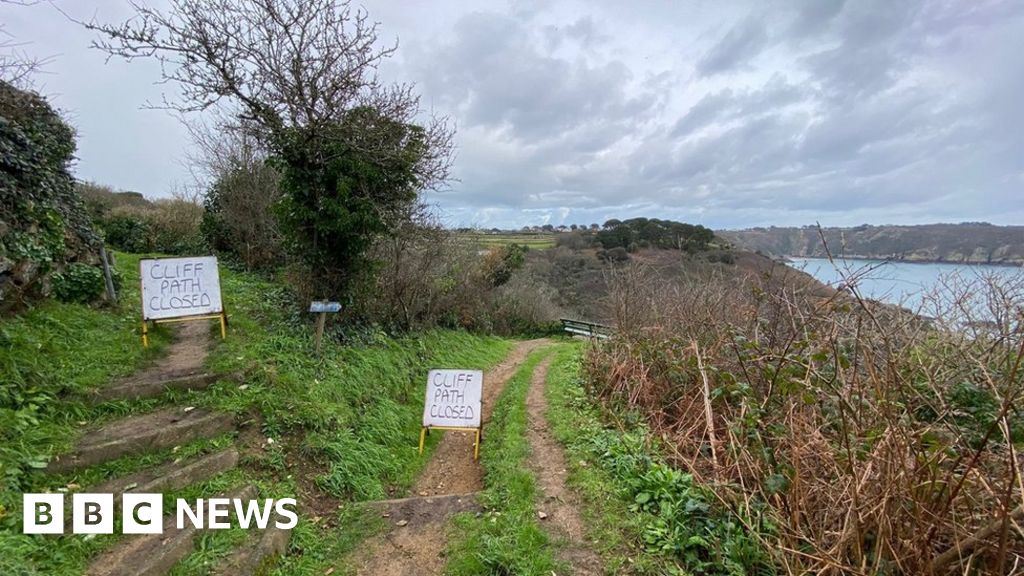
{"type": "Point", "coordinates": [415, 543]}
{"type": "Point", "coordinates": [557, 504]}
{"type": "Point", "coordinates": [186, 354]}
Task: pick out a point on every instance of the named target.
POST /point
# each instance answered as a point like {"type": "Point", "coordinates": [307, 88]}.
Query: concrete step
{"type": "Point", "coordinates": [153, 554]}
{"type": "Point", "coordinates": [259, 555]}
{"type": "Point", "coordinates": [149, 386]}
{"type": "Point", "coordinates": [144, 433]}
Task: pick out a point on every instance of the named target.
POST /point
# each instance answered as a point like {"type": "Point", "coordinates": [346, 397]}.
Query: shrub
{"type": "Point", "coordinates": [174, 223]}
{"type": "Point", "coordinates": [501, 263]}
{"type": "Point", "coordinates": [614, 255]}
{"type": "Point", "coordinates": [78, 283]}
{"type": "Point", "coordinates": [822, 414]}
{"type": "Point", "coordinates": [239, 219]}
{"type": "Point", "coordinates": [127, 233]}
{"type": "Point", "coordinates": [170, 226]}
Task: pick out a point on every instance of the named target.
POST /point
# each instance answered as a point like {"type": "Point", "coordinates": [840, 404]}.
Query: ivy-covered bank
{"type": "Point", "coordinates": [43, 225]}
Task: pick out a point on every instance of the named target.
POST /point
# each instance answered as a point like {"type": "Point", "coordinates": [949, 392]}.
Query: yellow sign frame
{"type": "Point", "coordinates": [476, 443]}
{"type": "Point", "coordinates": [222, 317]}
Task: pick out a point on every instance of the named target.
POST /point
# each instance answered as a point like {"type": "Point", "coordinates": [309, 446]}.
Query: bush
{"type": "Point", "coordinates": [128, 233]}
{"type": "Point", "coordinates": [428, 277]}
{"type": "Point", "coordinates": [78, 283]}
{"type": "Point", "coordinates": [170, 226]}
{"type": "Point", "coordinates": [239, 219]}
{"type": "Point", "coordinates": [614, 255]}
{"type": "Point", "coordinates": [501, 263]}
{"type": "Point", "coordinates": [721, 256]}
{"type": "Point", "coordinates": [781, 401]}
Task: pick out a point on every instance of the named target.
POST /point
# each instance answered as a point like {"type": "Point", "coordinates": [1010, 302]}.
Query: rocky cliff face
{"type": "Point", "coordinates": [974, 243]}
{"type": "Point", "coordinates": [43, 225]}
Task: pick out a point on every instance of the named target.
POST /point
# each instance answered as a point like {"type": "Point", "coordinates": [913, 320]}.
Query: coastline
{"type": "Point", "coordinates": [788, 260]}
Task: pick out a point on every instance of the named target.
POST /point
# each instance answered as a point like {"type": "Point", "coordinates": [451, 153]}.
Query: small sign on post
{"type": "Point", "coordinates": [322, 308]}
{"type": "Point", "coordinates": [453, 402]}
{"type": "Point", "coordinates": [179, 290]}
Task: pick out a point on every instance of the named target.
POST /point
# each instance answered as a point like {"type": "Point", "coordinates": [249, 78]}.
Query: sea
{"type": "Point", "coordinates": [930, 289]}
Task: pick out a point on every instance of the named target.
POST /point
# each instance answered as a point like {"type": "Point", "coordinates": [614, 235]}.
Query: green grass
{"type": "Point", "coordinates": [349, 417]}
{"type": "Point", "coordinates": [507, 539]}
{"type": "Point", "coordinates": [49, 354]}
{"type": "Point", "coordinates": [645, 516]}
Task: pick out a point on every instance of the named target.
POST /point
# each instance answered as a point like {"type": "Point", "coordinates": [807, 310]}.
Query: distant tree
{"type": "Point", "coordinates": [595, 226]}
{"type": "Point", "coordinates": [547, 228]}
{"type": "Point", "coordinates": [573, 227]}
{"type": "Point", "coordinates": [637, 233]}
{"type": "Point", "coordinates": [301, 75]}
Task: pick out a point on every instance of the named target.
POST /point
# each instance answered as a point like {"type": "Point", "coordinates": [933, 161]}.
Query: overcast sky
{"type": "Point", "coordinates": [727, 114]}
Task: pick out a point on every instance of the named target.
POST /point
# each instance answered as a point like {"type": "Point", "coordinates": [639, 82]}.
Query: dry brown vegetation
{"type": "Point", "coordinates": [866, 440]}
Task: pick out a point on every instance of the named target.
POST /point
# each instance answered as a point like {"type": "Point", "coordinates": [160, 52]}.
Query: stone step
{"type": "Point", "coordinates": [170, 476]}
{"type": "Point", "coordinates": [150, 387]}
{"type": "Point", "coordinates": [426, 509]}
{"type": "Point", "coordinates": [153, 554]}
{"type": "Point", "coordinates": [137, 434]}
{"type": "Point", "coordinates": [258, 555]}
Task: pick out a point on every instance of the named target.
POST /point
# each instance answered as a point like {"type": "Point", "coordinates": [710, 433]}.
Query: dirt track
{"type": "Point", "coordinates": [556, 502]}
{"type": "Point", "coordinates": [415, 542]}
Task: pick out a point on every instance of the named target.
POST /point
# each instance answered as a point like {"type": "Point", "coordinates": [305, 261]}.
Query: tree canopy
{"type": "Point", "coordinates": [654, 233]}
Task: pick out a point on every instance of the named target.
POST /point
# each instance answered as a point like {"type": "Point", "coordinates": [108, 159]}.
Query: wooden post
{"type": "Point", "coordinates": [321, 320]}
{"type": "Point", "coordinates": [107, 277]}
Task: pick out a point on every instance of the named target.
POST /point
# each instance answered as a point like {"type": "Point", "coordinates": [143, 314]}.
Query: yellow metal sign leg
{"type": "Point", "coordinates": [145, 335]}
{"type": "Point", "coordinates": [476, 446]}
{"type": "Point", "coordinates": [223, 327]}
{"type": "Point", "coordinates": [423, 438]}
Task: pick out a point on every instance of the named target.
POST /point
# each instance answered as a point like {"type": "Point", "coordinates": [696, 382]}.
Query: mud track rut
{"type": "Point", "coordinates": [557, 502]}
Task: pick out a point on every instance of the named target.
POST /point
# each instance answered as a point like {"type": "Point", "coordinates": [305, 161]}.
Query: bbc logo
{"type": "Point", "coordinates": [143, 513]}
{"type": "Point", "coordinates": [93, 514]}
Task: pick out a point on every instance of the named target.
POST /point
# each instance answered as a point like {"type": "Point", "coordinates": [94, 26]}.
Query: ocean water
{"type": "Point", "coordinates": [927, 288]}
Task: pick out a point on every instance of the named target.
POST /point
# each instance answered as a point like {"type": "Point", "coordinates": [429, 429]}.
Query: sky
{"type": "Point", "coordinates": [727, 114]}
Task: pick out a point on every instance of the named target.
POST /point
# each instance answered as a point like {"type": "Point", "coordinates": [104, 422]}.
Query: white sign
{"type": "Point", "coordinates": [178, 287]}
{"type": "Point", "coordinates": [453, 398]}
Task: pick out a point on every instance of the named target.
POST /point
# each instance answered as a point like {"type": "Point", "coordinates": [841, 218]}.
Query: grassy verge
{"type": "Point", "coordinates": [646, 517]}
{"type": "Point", "coordinates": [506, 539]}
{"type": "Point", "coordinates": [344, 424]}
{"type": "Point", "coordinates": [48, 354]}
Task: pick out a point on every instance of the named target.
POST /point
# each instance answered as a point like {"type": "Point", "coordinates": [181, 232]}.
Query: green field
{"type": "Point", "coordinates": [536, 240]}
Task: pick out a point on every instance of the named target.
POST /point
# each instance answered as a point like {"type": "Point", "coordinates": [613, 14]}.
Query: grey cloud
{"type": "Point", "coordinates": [843, 112]}
{"type": "Point", "coordinates": [729, 105]}
{"type": "Point", "coordinates": [815, 16]}
{"type": "Point", "coordinates": [734, 50]}
{"type": "Point", "coordinates": [495, 74]}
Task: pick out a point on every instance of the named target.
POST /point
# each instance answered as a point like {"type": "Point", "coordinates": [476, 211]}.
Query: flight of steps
{"type": "Point", "coordinates": [162, 429]}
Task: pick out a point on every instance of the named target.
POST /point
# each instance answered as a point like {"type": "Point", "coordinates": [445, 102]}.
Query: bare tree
{"type": "Point", "coordinates": [283, 63]}
{"type": "Point", "coordinates": [353, 151]}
